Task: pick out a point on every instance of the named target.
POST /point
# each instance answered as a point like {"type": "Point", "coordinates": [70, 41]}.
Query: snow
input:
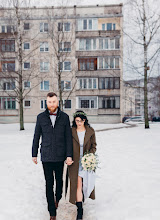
{"type": "Point", "coordinates": [127, 186]}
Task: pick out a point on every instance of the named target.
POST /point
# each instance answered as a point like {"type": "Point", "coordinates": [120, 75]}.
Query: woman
{"type": "Point", "coordinates": [83, 141]}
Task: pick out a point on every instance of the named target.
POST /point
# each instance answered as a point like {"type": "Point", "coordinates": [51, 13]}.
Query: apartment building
{"type": "Point", "coordinates": [83, 45]}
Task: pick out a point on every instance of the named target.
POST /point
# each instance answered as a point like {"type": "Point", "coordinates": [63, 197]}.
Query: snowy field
{"type": "Point", "coordinates": [127, 185]}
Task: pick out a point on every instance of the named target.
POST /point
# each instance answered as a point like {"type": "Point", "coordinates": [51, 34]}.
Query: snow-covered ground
{"type": "Point", "coordinates": [127, 186]}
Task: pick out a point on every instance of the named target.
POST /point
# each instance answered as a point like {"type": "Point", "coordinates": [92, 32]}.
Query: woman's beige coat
{"type": "Point", "coordinates": [88, 146]}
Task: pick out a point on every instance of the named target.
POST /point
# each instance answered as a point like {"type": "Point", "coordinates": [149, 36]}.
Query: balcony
{"type": "Point", "coordinates": [99, 33]}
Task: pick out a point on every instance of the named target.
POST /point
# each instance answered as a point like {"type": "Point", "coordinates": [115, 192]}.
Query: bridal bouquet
{"type": "Point", "coordinates": [90, 162]}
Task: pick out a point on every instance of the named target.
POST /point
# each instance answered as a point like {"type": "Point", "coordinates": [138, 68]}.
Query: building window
{"type": "Point", "coordinates": [45, 85]}
{"type": "Point", "coordinates": [109, 102]}
{"type": "Point", "coordinates": [87, 24]}
{"type": "Point", "coordinates": [87, 83]}
{"type": "Point", "coordinates": [65, 27]}
{"type": "Point", "coordinates": [27, 84]}
{"type": "Point", "coordinates": [44, 47]}
{"type": "Point", "coordinates": [26, 65]}
{"type": "Point", "coordinates": [26, 46]}
{"type": "Point", "coordinates": [43, 27]}
{"type": "Point", "coordinates": [87, 44]}
{"type": "Point", "coordinates": [87, 64]}
{"type": "Point", "coordinates": [7, 29]}
{"type": "Point", "coordinates": [7, 45]}
{"type": "Point", "coordinates": [26, 26]}
{"type": "Point", "coordinates": [67, 104]}
{"type": "Point", "coordinates": [89, 102]}
{"type": "Point", "coordinates": [109, 83]}
{"type": "Point", "coordinates": [44, 66]}
{"type": "Point", "coordinates": [109, 26]}
{"type": "Point", "coordinates": [43, 104]}
{"type": "Point", "coordinates": [9, 85]}
{"type": "Point", "coordinates": [65, 85]}
{"type": "Point", "coordinates": [7, 103]}
{"type": "Point", "coordinates": [8, 66]}
{"type": "Point", "coordinates": [65, 66]}
{"type": "Point", "coordinates": [65, 46]}
{"type": "Point", "coordinates": [27, 103]}
{"type": "Point", "coordinates": [108, 63]}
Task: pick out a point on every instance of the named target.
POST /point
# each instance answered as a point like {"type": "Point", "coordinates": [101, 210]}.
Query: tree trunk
{"type": "Point", "coordinates": [145, 69]}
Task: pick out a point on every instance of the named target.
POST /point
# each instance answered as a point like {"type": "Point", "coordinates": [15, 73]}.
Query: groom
{"type": "Point", "coordinates": [53, 126]}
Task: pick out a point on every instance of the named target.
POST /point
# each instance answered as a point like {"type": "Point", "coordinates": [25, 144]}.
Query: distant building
{"type": "Point", "coordinates": [91, 73]}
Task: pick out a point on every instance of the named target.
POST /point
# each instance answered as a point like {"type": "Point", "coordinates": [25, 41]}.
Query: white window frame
{"type": "Point", "coordinates": [87, 83]}
{"type": "Point", "coordinates": [7, 81]}
{"type": "Point", "coordinates": [64, 85]}
{"type": "Point", "coordinates": [26, 68]}
{"type": "Point", "coordinates": [90, 98]}
{"type": "Point", "coordinates": [109, 57]}
{"type": "Point", "coordinates": [42, 25]}
{"type": "Point", "coordinates": [24, 84]}
{"type": "Point", "coordinates": [42, 89]}
{"type": "Point", "coordinates": [43, 100]}
{"type": "Point", "coordinates": [26, 43]}
{"type": "Point", "coordinates": [24, 103]}
{"type": "Point", "coordinates": [43, 63]}
{"type": "Point", "coordinates": [5, 25]}
{"type": "Point", "coordinates": [87, 24]}
{"type": "Point", "coordinates": [64, 47]}
{"type": "Point", "coordinates": [63, 26]}
{"type": "Point", "coordinates": [44, 45]}
{"type": "Point", "coordinates": [64, 65]}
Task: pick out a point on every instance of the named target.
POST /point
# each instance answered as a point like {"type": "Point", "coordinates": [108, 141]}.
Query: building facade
{"type": "Point", "coordinates": [82, 46]}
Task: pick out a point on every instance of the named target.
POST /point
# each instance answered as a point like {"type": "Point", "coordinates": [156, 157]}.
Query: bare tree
{"type": "Point", "coordinates": [23, 72]}
{"type": "Point", "coordinates": [144, 43]}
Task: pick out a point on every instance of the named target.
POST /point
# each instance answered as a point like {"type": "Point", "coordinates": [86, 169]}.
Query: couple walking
{"type": "Point", "coordinates": [61, 143]}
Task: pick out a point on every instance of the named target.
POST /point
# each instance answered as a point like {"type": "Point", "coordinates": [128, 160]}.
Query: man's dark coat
{"type": "Point", "coordinates": [56, 142]}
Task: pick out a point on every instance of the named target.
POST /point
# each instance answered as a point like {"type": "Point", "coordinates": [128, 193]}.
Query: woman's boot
{"type": "Point", "coordinates": [79, 210]}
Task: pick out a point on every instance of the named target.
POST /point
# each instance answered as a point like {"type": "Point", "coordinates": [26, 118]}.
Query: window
{"type": "Point", "coordinates": [8, 66]}
{"type": "Point", "coordinates": [7, 45]}
{"type": "Point", "coordinates": [44, 47]}
{"type": "Point", "coordinates": [87, 44]}
{"type": "Point", "coordinates": [26, 26]}
{"type": "Point", "coordinates": [65, 66]}
{"type": "Point", "coordinates": [27, 103]}
{"type": "Point", "coordinates": [26, 46]}
{"type": "Point", "coordinates": [87, 83]}
{"type": "Point", "coordinates": [109, 83]}
{"type": "Point", "coordinates": [65, 46]}
{"type": "Point", "coordinates": [43, 27]}
{"type": "Point", "coordinates": [109, 26]}
{"type": "Point", "coordinates": [43, 104]}
{"type": "Point", "coordinates": [7, 103]}
{"type": "Point", "coordinates": [89, 102]}
{"type": "Point", "coordinates": [26, 65]}
{"type": "Point", "coordinates": [44, 66]}
{"type": "Point", "coordinates": [27, 84]}
{"type": "Point", "coordinates": [45, 85]}
{"type": "Point", "coordinates": [67, 104]}
{"type": "Point", "coordinates": [109, 102]}
{"type": "Point", "coordinates": [9, 85]}
{"type": "Point", "coordinates": [87, 64]}
{"type": "Point", "coordinates": [87, 24]}
{"type": "Point", "coordinates": [106, 43]}
{"type": "Point", "coordinates": [65, 85]}
{"type": "Point", "coordinates": [7, 28]}
{"type": "Point", "coordinates": [108, 62]}
{"type": "Point", "coordinates": [65, 27]}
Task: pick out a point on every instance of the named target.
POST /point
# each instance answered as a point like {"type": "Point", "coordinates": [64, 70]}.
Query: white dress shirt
{"type": "Point", "coordinates": [53, 118]}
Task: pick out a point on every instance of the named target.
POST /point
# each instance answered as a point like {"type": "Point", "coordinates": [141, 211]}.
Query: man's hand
{"type": "Point", "coordinates": [69, 161]}
{"type": "Point", "coordinates": [34, 159]}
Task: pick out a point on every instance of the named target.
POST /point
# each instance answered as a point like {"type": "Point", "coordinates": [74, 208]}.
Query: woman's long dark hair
{"type": "Point", "coordinates": [82, 115]}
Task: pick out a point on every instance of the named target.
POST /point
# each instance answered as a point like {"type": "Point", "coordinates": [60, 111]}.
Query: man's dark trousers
{"type": "Point", "coordinates": [49, 169]}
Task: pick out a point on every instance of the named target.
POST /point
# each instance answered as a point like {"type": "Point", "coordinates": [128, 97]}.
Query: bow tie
{"type": "Point", "coordinates": [52, 113]}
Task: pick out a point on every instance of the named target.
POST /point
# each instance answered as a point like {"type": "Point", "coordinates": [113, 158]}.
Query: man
{"type": "Point", "coordinates": [53, 126]}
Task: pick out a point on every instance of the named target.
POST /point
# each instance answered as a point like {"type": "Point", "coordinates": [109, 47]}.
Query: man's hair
{"type": "Point", "coordinates": [51, 94]}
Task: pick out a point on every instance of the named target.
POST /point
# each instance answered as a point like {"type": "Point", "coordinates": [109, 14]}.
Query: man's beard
{"type": "Point", "coordinates": [51, 109]}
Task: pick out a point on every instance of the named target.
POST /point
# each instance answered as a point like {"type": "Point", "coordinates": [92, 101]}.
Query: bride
{"type": "Point", "coordinates": [82, 183]}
